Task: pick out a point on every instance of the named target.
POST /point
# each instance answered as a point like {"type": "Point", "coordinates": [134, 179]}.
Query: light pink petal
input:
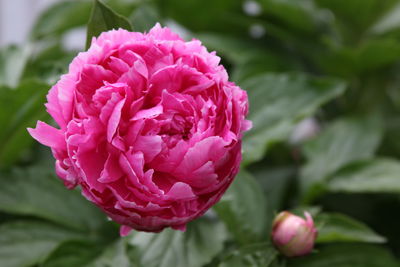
{"type": "Point", "coordinates": [150, 146]}
{"type": "Point", "coordinates": [181, 191]}
{"type": "Point", "coordinates": [91, 164]}
{"type": "Point", "coordinates": [93, 77]}
{"type": "Point", "coordinates": [125, 230]}
{"type": "Point", "coordinates": [118, 66]}
{"type": "Point", "coordinates": [65, 94]}
{"type": "Point", "coordinates": [209, 149]}
{"type": "Point", "coordinates": [53, 107]}
{"type": "Point", "coordinates": [163, 33]}
{"type": "Point", "coordinates": [112, 171]}
{"type": "Point", "coordinates": [108, 108]}
{"type": "Point", "coordinates": [180, 227]}
{"type": "Point", "coordinates": [203, 177]}
{"type": "Point", "coordinates": [48, 135]}
{"type": "Point", "coordinates": [148, 113]}
{"type": "Point", "coordinates": [114, 120]}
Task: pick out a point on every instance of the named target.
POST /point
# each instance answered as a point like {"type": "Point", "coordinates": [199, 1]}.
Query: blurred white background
{"type": "Point", "coordinates": [17, 17]}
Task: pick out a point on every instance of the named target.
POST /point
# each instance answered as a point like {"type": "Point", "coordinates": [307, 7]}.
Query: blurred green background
{"type": "Point", "coordinates": [324, 87]}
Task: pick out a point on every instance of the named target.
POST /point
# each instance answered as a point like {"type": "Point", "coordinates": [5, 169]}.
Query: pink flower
{"type": "Point", "coordinates": [149, 127]}
{"type": "Point", "coordinates": [292, 235]}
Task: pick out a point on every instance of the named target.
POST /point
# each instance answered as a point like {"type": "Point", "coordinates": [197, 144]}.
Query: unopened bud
{"type": "Point", "coordinates": [292, 235]}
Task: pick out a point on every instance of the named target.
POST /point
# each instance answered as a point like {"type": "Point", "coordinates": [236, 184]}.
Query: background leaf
{"type": "Point", "coordinates": [344, 141]}
{"type": "Point", "coordinates": [373, 176]}
{"type": "Point", "coordinates": [335, 227]}
{"type": "Point", "coordinates": [347, 255]}
{"type": "Point", "coordinates": [243, 209]}
{"type": "Point", "coordinates": [258, 255]}
{"type": "Point", "coordinates": [19, 109]}
{"type": "Point", "coordinates": [278, 102]}
{"type": "Point", "coordinates": [37, 192]}
{"type": "Point", "coordinates": [197, 246]}
{"type": "Point", "coordinates": [104, 19]}
{"type": "Point", "coordinates": [28, 243]}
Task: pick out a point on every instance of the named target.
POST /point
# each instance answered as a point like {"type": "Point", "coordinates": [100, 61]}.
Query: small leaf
{"type": "Point", "coordinates": [255, 255]}
{"type": "Point", "coordinates": [104, 19]}
{"type": "Point", "coordinates": [344, 141]}
{"type": "Point", "coordinates": [37, 192]}
{"type": "Point", "coordinates": [347, 255]}
{"type": "Point", "coordinates": [278, 102]}
{"type": "Point", "coordinates": [243, 209]}
{"type": "Point", "coordinates": [196, 247]}
{"type": "Point", "coordinates": [373, 176]}
{"type": "Point", "coordinates": [335, 227]}
{"type": "Point", "coordinates": [27, 243]}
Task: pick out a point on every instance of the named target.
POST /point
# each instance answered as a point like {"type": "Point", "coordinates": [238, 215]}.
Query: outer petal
{"type": "Point", "coordinates": [48, 135]}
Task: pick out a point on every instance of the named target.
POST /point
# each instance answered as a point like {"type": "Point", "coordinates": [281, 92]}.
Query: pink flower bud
{"type": "Point", "coordinates": [292, 235]}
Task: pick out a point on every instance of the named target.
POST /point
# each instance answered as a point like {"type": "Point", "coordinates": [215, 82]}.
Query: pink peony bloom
{"type": "Point", "coordinates": [292, 235]}
{"type": "Point", "coordinates": [149, 127]}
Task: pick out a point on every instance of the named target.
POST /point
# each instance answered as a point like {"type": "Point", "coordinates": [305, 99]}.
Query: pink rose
{"type": "Point", "coordinates": [292, 235]}
{"type": "Point", "coordinates": [150, 128]}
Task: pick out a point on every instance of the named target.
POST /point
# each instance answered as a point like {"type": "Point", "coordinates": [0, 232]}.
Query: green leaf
{"type": "Point", "coordinates": [373, 176]}
{"type": "Point", "coordinates": [61, 17]}
{"type": "Point", "coordinates": [347, 255]}
{"type": "Point", "coordinates": [255, 255]}
{"type": "Point", "coordinates": [275, 182]}
{"type": "Point", "coordinates": [37, 192]}
{"type": "Point", "coordinates": [114, 255]}
{"type": "Point", "coordinates": [73, 253]}
{"type": "Point", "coordinates": [27, 243]}
{"type": "Point", "coordinates": [335, 227]}
{"type": "Point", "coordinates": [278, 102]}
{"type": "Point", "coordinates": [104, 19]}
{"type": "Point", "coordinates": [243, 209]}
{"type": "Point", "coordinates": [12, 64]}
{"type": "Point", "coordinates": [196, 247]}
{"type": "Point", "coordinates": [19, 108]}
{"type": "Point", "coordinates": [343, 141]}
{"type": "Point", "coordinates": [89, 254]}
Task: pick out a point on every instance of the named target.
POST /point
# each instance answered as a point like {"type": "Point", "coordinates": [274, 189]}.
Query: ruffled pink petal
{"type": "Point", "coordinates": [114, 120]}
{"type": "Point", "coordinates": [163, 33]}
{"type": "Point", "coordinates": [48, 135]}
{"type": "Point", "coordinates": [149, 145]}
